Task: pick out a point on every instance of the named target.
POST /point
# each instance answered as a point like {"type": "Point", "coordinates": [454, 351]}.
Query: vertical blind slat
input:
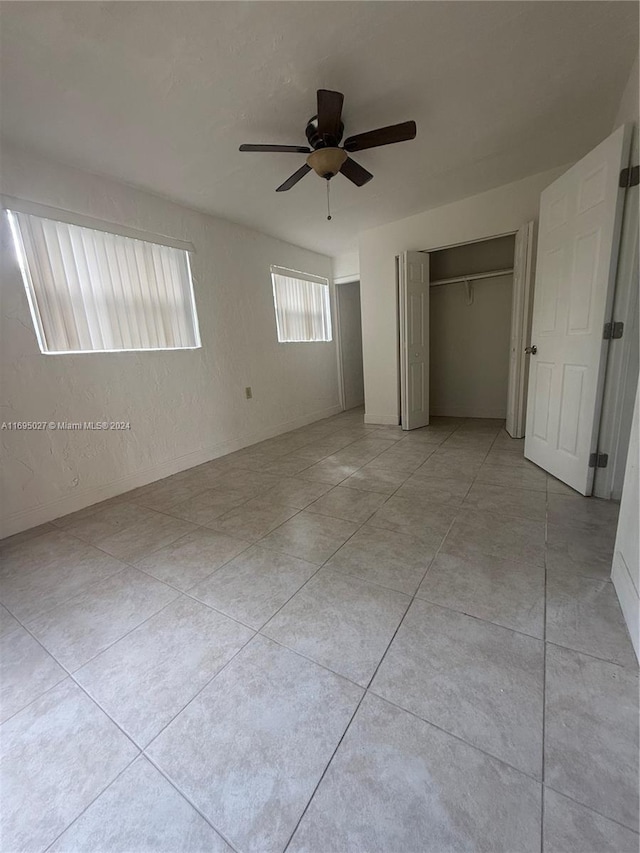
{"type": "Point", "coordinates": [303, 311]}
{"type": "Point", "coordinates": [93, 290]}
{"type": "Point", "coordinates": [51, 319]}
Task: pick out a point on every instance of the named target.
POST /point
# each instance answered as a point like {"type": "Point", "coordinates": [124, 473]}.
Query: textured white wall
{"type": "Point", "coordinates": [184, 407]}
{"type": "Point", "coordinates": [628, 108]}
{"type": "Point", "coordinates": [346, 266]}
{"type": "Point", "coordinates": [489, 214]}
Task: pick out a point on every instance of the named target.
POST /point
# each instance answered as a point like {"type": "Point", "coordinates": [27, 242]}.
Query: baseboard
{"type": "Point", "coordinates": [394, 420]}
{"type": "Point", "coordinates": [383, 420]}
{"type": "Point", "coordinates": [454, 412]}
{"type": "Point", "coordinates": [628, 598]}
{"type": "Point", "coordinates": [25, 519]}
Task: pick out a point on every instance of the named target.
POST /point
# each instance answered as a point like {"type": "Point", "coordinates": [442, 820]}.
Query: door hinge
{"type": "Point", "coordinates": [630, 177]}
{"type": "Point", "coordinates": [613, 330]}
{"type": "Point", "coordinates": [598, 460]}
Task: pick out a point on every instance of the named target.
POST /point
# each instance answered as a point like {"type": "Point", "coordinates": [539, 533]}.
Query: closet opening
{"type": "Point", "coordinates": [471, 299]}
{"type": "Point", "coordinates": [464, 315]}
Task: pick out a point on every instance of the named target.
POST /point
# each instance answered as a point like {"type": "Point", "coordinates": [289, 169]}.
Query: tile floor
{"type": "Point", "coordinates": [346, 639]}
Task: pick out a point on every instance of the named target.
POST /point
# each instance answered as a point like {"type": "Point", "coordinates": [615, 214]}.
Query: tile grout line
{"type": "Point", "coordinates": [255, 543]}
{"type": "Point", "coordinates": [458, 738]}
{"type": "Point", "coordinates": [330, 488]}
{"type": "Point", "coordinates": [365, 693]}
{"type": "Point", "coordinates": [540, 781]}
{"type": "Point", "coordinates": [437, 604]}
{"type": "Point", "coordinates": [195, 695]}
{"type": "Point", "coordinates": [166, 511]}
{"type": "Point", "coordinates": [592, 656]}
{"type": "Point", "coordinates": [322, 565]}
{"type": "Point", "coordinates": [426, 572]}
{"type": "Point", "coordinates": [259, 632]}
{"type": "Point", "coordinates": [223, 471]}
{"type": "Point", "coordinates": [594, 811]}
{"type": "Point", "coordinates": [89, 804]}
{"type": "Point", "coordinates": [252, 544]}
{"type": "Point", "coordinates": [188, 799]}
{"type": "Point", "coordinates": [324, 772]}
{"type": "Point", "coordinates": [367, 688]}
{"type": "Point", "coordinates": [127, 564]}
{"type": "Point", "coordinates": [142, 750]}
{"type": "Point", "coordinates": [69, 675]}
{"type": "Point", "coordinates": [544, 670]}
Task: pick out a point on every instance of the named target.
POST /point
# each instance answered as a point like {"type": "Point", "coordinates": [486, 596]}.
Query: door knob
{"type": "Point", "coordinates": [531, 350]}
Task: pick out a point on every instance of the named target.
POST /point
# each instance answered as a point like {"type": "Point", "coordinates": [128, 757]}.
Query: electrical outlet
{"type": "Point", "coordinates": [248, 393]}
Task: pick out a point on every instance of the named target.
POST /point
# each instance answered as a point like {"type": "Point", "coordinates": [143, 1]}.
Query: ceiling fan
{"type": "Point", "coordinates": [324, 132]}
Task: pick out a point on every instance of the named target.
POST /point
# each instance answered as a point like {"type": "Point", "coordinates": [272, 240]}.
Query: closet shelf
{"type": "Point", "coordinates": [471, 277]}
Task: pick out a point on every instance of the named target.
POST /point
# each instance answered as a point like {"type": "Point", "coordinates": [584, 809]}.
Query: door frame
{"type": "Point", "coordinates": [404, 281]}
{"type": "Point", "coordinates": [520, 333]}
{"type": "Point", "coordinates": [343, 279]}
{"type": "Point", "coordinates": [525, 300]}
{"type": "Point", "coordinates": [621, 375]}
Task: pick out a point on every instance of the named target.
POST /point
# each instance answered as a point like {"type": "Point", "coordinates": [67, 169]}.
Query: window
{"type": "Point", "coordinates": [303, 309]}
{"type": "Point", "coordinates": [93, 290]}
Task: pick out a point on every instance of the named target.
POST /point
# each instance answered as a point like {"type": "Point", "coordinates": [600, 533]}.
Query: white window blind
{"type": "Point", "coordinates": [303, 308]}
{"type": "Point", "coordinates": [94, 291]}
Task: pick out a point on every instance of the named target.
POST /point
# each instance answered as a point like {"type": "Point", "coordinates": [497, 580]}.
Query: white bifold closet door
{"type": "Point", "coordinates": [520, 323]}
{"type": "Point", "coordinates": [413, 307]}
{"type": "Point", "coordinates": [580, 218]}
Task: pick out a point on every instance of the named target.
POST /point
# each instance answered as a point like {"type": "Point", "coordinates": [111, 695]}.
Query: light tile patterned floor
{"type": "Point", "coordinates": [346, 639]}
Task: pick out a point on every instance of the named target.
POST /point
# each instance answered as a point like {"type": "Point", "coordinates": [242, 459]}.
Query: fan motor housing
{"type": "Point", "coordinates": [315, 140]}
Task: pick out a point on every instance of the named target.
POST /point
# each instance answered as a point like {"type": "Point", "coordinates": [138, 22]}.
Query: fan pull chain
{"type": "Point", "coordinates": [328, 203]}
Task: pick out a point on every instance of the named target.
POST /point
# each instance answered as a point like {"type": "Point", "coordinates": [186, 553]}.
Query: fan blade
{"type": "Point", "coordinates": [354, 171]}
{"type": "Point", "coordinates": [381, 136]}
{"type": "Point", "coordinates": [329, 113]}
{"type": "Point", "coordinates": [293, 180]}
{"type": "Point", "coordinates": [297, 149]}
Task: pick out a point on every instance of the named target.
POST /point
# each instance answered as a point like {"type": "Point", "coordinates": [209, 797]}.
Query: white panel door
{"type": "Point", "coordinates": [580, 217]}
{"type": "Point", "coordinates": [414, 339]}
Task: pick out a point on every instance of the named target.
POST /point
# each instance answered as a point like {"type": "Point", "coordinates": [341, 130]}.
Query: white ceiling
{"type": "Point", "coordinates": [160, 95]}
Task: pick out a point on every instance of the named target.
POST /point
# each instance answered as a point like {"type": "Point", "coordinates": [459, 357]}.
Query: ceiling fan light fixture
{"type": "Point", "coordinates": [327, 162]}
{"type": "Point", "coordinates": [324, 132]}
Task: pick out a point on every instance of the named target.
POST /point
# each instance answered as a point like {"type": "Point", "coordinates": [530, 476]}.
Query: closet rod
{"type": "Point", "coordinates": [471, 277]}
